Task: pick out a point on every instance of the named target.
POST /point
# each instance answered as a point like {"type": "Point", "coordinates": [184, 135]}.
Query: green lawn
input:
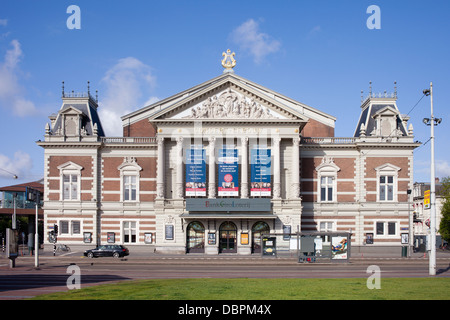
{"type": "Point", "coordinates": [262, 289]}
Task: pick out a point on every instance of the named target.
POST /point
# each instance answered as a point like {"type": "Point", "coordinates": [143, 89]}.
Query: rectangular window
{"type": "Point", "coordinates": [76, 228]}
{"type": "Point", "coordinates": [129, 188]}
{"type": "Point", "coordinates": [386, 188]}
{"type": "Point", "coordinates": [129, 231]}
{"type": "Point", "coordinates": [64, 227]}
{"type": "Point", "coordinates": [326, 189]}
{"type": "Point", "coordinates": [70, 187]}
{"type": "Point", "coordinates": [326, 226]}
{"type": "Point", "coordinates": [389, 227]}
{"type": "Point", "coordinates": [380, 228]}
{"type": "Point", "coordinates": [68, 227]}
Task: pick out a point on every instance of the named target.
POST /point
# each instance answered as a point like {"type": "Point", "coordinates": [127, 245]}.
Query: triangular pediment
{"type": "Point", "coordinates": [229, 105]}
{"type": "Point", "coordinates": [228, 99]}
{"type": "Point", "coordinates": [386, 111]}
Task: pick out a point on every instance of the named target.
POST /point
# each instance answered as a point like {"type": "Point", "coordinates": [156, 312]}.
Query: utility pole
{"type": "Point", "coordinates": [36, 235]}
{"type": "Point", "coordinates": [432, 122]}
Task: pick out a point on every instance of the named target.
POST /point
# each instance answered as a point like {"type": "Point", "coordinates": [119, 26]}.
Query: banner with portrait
{"type": "Point", "coordinates": [228, 183]}
{"type": "Point", "coordinates": [260, 180]}
{"type": "Point", "coordinates": [195, 172]}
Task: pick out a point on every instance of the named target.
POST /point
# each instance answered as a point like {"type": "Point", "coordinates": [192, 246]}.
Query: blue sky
{"type": "Point", "coordinates": [320, 53]}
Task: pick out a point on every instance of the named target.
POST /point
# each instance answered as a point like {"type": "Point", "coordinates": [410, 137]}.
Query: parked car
{"type": "Point", "coordinates": [115, 251]}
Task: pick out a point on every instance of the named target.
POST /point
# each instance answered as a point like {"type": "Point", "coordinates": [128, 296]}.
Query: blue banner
{"type": "Point", "coordinates": [195, 172]}
{"type": "Point", "coordinates": [228, 183]}
{"type": "Point", "coordinates": [260, 180]}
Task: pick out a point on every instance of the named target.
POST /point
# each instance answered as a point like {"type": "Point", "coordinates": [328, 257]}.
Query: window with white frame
{"type": "Point", "coordinates": [70, 176]}
{"type": "Point", "coordinates": [129, 175]}
{"type": "Point", "coordinates": [70, 187]}
{"type": "Point", "coordinates": [69, 227]}
{"type": "Point", "coordinates": [326, 188]}
{"type": "Point", "coordinates": [129, 232]}
{"type": "Point", "coordinates": [327, 180]}
{"type": "Point", "coordinates": [129, 187]}
{"type": "Point", "coordinates": [326, 226]}
{"type": "Point", "coordinates": [386, 228]}
{"type": "Point", "coordinates": [386, 189]}
{"type": "Point", "coordinates": [387, 181]}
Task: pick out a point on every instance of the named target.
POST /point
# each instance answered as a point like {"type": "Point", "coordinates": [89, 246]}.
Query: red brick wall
{"type": "Point", "coordinates": [374, 162]}
{"type": "Point", "coordinates": [142, 128]}
{"type": "Point", "coordinates": [316, 129]}
{"type": "Point", "coordinates": [84, 161]}
{"type": "Point", "coordinates": [86, 172]}
{"type": "Point", "coordinates": [308, 171]}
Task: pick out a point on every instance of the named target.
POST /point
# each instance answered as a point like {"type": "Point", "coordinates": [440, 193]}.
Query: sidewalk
{"type": "Point", "coordinates": [145, 257]}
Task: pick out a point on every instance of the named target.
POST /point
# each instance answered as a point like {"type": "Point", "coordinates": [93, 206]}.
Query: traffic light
{"type": "Point", "coordinates": [55, 228]}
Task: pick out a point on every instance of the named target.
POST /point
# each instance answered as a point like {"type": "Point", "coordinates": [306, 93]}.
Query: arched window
{"type": "Point", "coordinates": [227, 237]}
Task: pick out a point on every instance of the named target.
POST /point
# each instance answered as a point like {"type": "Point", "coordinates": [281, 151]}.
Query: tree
{"type": "Point", "coordinates": [444, 227]}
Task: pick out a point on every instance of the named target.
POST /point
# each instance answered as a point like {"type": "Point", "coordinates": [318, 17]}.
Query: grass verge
{"type": "Point", "coordinates": [262, 289]}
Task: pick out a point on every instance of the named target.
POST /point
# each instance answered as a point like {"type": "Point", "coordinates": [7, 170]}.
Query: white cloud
{"type": "Point", "coordinates": [250, 39]}
{"type": "Point", "coordinates": [3, 22]}
{"type": "Point", "coordinates": [127, 82]}
{"type": "Point", "coordinates": [442, 168]}
{"type": "Point", "coordinates": [11, 92]}
{"type": "Point", "coordinates": [422, 168]}
{"type": "Point", "coordinates": [20, 165]}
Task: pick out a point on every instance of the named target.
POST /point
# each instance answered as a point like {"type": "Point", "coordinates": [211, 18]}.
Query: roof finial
{"type": "Point", "coordinates": [395, 89]}
{"type": "Point", "coordinates": [63, 88]}
{"type": "Point", "coordinates": [370, 87]}
{"type": "Point", "coordinates": [228, 62]}
{"type": "Point", "coordinates": [96, 96]}
{"type": "Point", "coordinates": [89, 88]}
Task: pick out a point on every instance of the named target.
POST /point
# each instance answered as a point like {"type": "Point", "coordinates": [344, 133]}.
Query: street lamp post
{"type": "Point", "coordinates": [36, 234]}
{"type": "Point", "coordinates": [432, 122]}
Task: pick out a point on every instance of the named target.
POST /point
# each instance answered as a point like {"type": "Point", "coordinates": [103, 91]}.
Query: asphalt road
{"type": "Point", "coordinates": [26, 281]}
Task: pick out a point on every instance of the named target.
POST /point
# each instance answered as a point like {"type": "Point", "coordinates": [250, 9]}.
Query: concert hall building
{"type": "Point", "coordinates": [210, 169]}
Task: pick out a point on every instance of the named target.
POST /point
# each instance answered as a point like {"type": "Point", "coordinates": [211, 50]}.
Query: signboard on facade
{"type": "Point", "coordinates": [260, 183]}
{"type": "Point", "coordinates": [228, 184]}
{"type": "Point", "coordinates": [195, 172]}
{"type": "Point", "coordinates": [199, 204]}
{"type": "Point", "coordinates": [426, 199]}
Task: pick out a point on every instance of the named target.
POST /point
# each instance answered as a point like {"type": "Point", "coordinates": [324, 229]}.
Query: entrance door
{"type": "Point", "coordinates": [258, 229]}
{"type": "Point", "coordinates": [195, 242]}
{"type": "Point", "coordinates": [227, 237]}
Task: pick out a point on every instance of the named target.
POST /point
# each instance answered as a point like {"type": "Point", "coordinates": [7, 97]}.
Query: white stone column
{"type": "Point", "coordinates": [160, 169]}
{"type": "Point", "coordinates": [244, 167]}
{"type": "Point", "coordinates": [212, 168]}
{"type": "Point", "coordinates": [295, 179]}
{"type": "Point", "coordinates": [276, 167]}
{"type": "Point", "coordinates": [179, 166]}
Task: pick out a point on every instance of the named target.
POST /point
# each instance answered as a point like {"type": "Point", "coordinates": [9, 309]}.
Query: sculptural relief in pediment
{"type": "Point", "coordinates": [230, 105]}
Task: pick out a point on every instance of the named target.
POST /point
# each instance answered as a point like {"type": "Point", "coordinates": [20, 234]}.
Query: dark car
{"type": "Point", "coordinates": [115, 251]}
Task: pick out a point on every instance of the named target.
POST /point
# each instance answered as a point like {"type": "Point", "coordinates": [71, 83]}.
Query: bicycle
{"type": "Point", "coordinates": [62, 247]}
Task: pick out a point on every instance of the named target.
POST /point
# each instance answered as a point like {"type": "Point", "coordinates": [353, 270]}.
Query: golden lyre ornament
{"type": "Point", "coordinates": [228, 61]}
